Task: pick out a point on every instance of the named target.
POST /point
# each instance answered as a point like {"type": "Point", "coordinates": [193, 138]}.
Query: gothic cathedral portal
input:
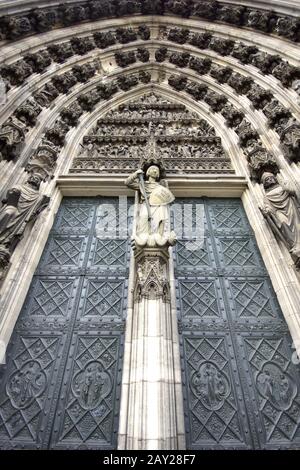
{"type": "Point", "coordinates": [150, 225]}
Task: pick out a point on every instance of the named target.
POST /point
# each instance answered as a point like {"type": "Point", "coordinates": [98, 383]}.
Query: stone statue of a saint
{"type": "Point", "coordinates": [22, 205]}
{"type": "Point", "coordinates": [282, 211]}
{"type": "Point", "coordinates": [152, 227]}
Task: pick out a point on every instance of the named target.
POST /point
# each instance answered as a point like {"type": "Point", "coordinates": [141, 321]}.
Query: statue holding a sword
{"type": "Point", "coordinates": [152, 227]}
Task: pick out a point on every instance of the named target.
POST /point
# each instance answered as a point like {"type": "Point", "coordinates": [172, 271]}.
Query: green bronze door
{"type": "Point", "coordinates": [241, 387]}
{"type": "Point", "coordinates": [61, 385]}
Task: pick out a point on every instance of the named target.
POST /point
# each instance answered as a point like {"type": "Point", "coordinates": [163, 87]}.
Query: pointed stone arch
{"type": "Point", "coordinates": [32, 149]}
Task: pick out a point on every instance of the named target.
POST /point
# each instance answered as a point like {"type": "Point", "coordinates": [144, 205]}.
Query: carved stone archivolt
{"type": "Point", "coordinates": [261, 98]}
{"type": "Point", "coordinates": [44, 19]}
{"type": "Point", "coordinates": [182, 140]}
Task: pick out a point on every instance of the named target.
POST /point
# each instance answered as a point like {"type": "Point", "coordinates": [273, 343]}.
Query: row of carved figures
{"type": "Point", "coordinates": [155, 128]}
{"type": "Point", "coordinates": [150, 114]}
{"type": "Point", "coordinates": [204, 150]}
{"type": "Point", "coordinates": [22, 205]}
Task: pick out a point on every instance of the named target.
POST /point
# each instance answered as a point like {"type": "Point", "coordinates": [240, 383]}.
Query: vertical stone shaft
{"type": "Point", "coordinates": [151, 420]}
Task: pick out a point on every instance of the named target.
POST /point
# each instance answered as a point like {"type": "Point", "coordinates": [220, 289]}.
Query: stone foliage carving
{"type": "Point", "coordinates": [199, 91]}
{"type": "Point", "coordinates": [102, 9]}
{"type": "Point", "coordinates": [64, 82]}
{"type": "Point", "coordinates": [144, 77]}
{"type": "Point", "coordinates": [126, 35]}
{"type": "Point", "coordinates": [281, 209]}
{"type": "Point", "coordinates": [123, 59]}
{"type": "Point", "coordinates": [196, 90]}
{"type": "Point", "coordinates": [73, 14]}
{"type": "Point", "coordinates": [161, 54]}
{"type": "Point", "coordinates": [178, 7]}
{"type": "Point", "coordinates": [200, 40]}
{"type": "Point", "coordinates": [39, 20]}
{"type": "Point", "coordinates": [240, 83]}
{"type": "Point", "coordinates": [106, 90]}
{"type": "Point", "coordinates": [43, 160]}
{"type": "Point", "coordinates": [267, 63]}
{"type": "Point", "coordinates": [57, 133]}
{"type": "Point", "coordinates": [178, 35]}
{"type": "Point", "coordinates": [202, 66]}
{"type": "Point", "coordinates": [287, 27]}
{"type": "Point", "coordinates": [28, 112]}
{"type": "Point", "coordinates": [43, 20]}
{"type": "Point", "coordinates": [221, 45]}
{"type": "Point", "coordinates": [88, 100]}
{"type": "Point", "coordinates": [180, 59]}
{"type": "Point", "coordinates": [243, 52]}
{"type": "Point", "coordinates": [15, 27]}
{"type": "Point", "coordinates": [290, 138]}
{"type": "Point", "coordinates": [71, 114]}
{"type": "Point", "coordinates": [103, 40]}
{"type": "Point", "coordinates": [232, 14]}
{"type": "Point", "coordinates": [275, 111]}
{"type": "Point", "coordinates": [177, 82]}
{"type": "Point", "coordinates": [221, 74]}
{"type": "Point", "coordinates": [60, 52]}
{"type": "Point", "coordinates": [261, 161]}
{"type": "Point", "coordinates": [82, 45]}
{"type": "Point", "coordinates": [215, 100]}
{"type": "Point", "coordinates": [259, 96]}
{"type": "Point", "coordinates": [258, 19]}
{"type": "Point", "coordinates": [232, 115]}
{"type": "Point", "coordinates": [144, 32]}
{"type": "Point", "coordinates": [83, 72]}
{"type": "Point", "coordinates": [17, 72]}
{"type": "Point", "coordinates": [143, 55]}
{"type": "Point", "coordinates": [126, 82]}
{"type": "Point", "coordinates": [12, 136]}
{"type": "Point", "coordinates": [46, 95]}
{"type": "Point", "coordinates": [286, 73]}
{"type": "Point", "coordinates": [38, 61]}
{"type": "Point", "coordinates": [247, 135]}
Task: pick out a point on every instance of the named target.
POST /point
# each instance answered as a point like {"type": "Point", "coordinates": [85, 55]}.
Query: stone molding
{"type": "Point", "coordinates": [20, 23]}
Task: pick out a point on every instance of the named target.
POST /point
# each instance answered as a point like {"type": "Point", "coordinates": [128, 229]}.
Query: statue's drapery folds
{"type": "Point", "coordinates": [154, 198]}
{"type": "Point", "coordinates": [282, 211]}
{"type": "Point", "coordinates": [22, 205]}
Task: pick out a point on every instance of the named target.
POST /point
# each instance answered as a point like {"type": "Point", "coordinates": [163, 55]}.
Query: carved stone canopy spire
{"type": "Point", "coordinates": [152, 157]}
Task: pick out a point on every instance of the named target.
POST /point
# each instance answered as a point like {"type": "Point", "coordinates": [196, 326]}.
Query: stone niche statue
{"type": "Point", "coordinates": [282, 211]}
{"type": "Point", "coordinates": [22, 205]}
{"type": "Point", "coordinates": [152, 229]}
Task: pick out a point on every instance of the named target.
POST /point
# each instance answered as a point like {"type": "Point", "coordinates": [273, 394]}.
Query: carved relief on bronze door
{"type": "Point", "coordinates": [241, 388]}
{"type": "Point", "coordinates": [61, 385]}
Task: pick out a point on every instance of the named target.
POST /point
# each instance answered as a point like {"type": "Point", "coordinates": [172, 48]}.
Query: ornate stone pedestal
{"type": "Point", "coordinates": [151, 420]}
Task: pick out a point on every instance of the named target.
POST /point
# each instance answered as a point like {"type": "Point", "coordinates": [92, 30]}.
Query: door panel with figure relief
{"type": "Point", "coordinates": [241, 383]}
{"type": "Point", "coordinates": [60, 387]}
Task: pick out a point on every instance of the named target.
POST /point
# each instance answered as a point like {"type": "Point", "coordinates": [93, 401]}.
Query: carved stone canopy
{"type": "Point", "coordinates": [152, 275]}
